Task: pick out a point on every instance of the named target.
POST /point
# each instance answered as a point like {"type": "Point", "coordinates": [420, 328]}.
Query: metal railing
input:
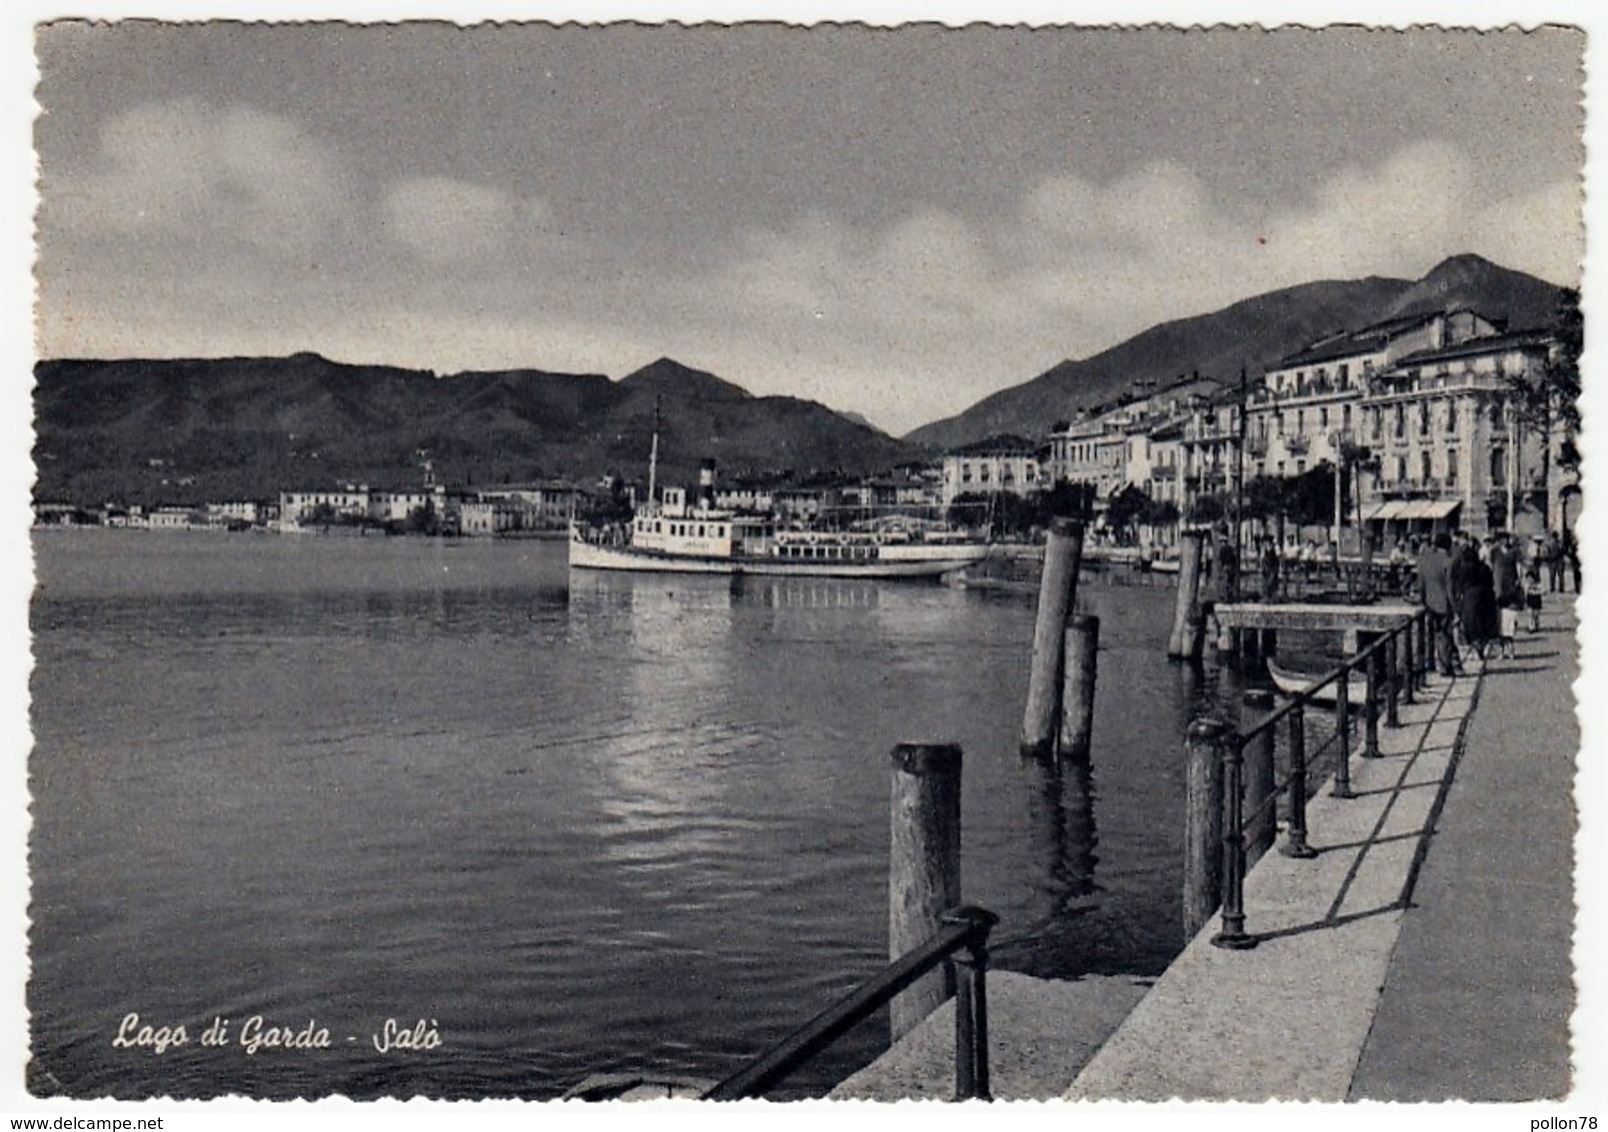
{"type": "Point", "coordinates": [1393, 667]}
{"type": "Point", "coordinates": [961, 941]}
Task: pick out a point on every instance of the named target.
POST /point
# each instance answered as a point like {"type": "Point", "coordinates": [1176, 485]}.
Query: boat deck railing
{"type": "Point", "coordinates": [1393, 667]}
{"type": "Point", "coordinates": [961, 941]}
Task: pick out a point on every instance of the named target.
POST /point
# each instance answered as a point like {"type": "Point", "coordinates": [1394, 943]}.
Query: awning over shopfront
{"type": "Point", "coordinates": [1430, 508]}
{"type": "Point", "coordinates": [1405, 510]}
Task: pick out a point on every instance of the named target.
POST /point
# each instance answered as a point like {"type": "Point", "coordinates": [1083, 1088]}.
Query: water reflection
{"type": "Point", "coordinates": [1060, 801]}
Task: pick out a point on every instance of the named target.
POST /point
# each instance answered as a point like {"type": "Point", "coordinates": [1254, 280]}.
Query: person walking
{"type": "Point", "coordinates": [1435, 592]}
{"type": "Point", "coordinates": [1270, 571]}
{"type": "Point", "coordinates": [1552, 555]}
{"type": "Point", "coordinates": [1509, 590]}
{"type": "Point", "coordinates": [1532, 593]}
{"type": "Point", "coordinates": [1476, 602]}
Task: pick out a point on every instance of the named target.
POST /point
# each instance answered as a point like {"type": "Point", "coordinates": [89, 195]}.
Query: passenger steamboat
{"type": "Point", "coordinates": [678, 535]}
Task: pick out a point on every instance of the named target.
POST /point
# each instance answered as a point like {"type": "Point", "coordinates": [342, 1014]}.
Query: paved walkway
{"type": "Point", "coordinates": [1423, 955]}
{"type": "Point", "coordinates": [1480, 988]}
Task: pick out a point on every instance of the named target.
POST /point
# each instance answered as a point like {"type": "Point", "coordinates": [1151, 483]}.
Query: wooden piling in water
{"type": "Point", "coordinates": [1063, 553]}
{"type": "Point", "coordinates": [1203, 823]}
{"type": "Point", "coordinates": [1077, 689]}
{"type": "Point", "coordinates": [923, 867]}
{"type": "Point", "coordinates": [1188, 629]}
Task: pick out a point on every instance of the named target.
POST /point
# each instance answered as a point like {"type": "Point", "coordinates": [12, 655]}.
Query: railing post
{"type": "Point", "coordinates": [923, 867]}
{"type": "Point", "coordinates": [1392, 682]}
{"type": "Point", "coordinates": [1233, 934]}
{"type": "Point", "coordinates": [1370, 709]}
{"type": "Point", "coordinates": [1427, 638]}
{"type": "Point", "coordinates": [1408, 664]}
{"type": "Point", "coordinates": [1295, 842]}
{"type": "Point", "coordinates": [1342, 731]}
{"type": "Point", "coordinates": [971, 1005]}
{"type": "Point", "coordinates": [1203, 823]}
{"type": "Point", "coordinates": [1063, 552]}
{"type": "Point", "coordinates": [1261, 782]}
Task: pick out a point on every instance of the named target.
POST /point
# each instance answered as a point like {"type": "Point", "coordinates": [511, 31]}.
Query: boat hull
{"type": "Point", "coordinates": [915, 560]}
{"type": "Point", "coordinates": [1293, 683]}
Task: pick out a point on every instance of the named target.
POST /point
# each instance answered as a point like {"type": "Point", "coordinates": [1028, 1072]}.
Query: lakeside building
{"type": "Point", "coordinates": [1448, 439]}
{"type": "Point", "coordinates": [1001, 464]}
{"type": "Point", "coordinates": [1090, 452]}
{"type": "Point", "coordinates": [1422, 409]}
{"type": "Point", "coordinates": [1209, 449]}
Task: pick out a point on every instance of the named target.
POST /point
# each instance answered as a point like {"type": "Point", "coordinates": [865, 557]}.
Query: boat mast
{"type": "Point", "coordinates": [653, 452]}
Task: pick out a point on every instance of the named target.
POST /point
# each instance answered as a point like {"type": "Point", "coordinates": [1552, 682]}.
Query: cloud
{"type": "Point", "coordinates": [192, 171]}
{"type": "Point", "coordinates": [959, 306]}
{"type": "Point", "coordinates": [450, 221]}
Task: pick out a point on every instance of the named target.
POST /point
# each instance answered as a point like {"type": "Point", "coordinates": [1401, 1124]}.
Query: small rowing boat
{"type": "Point", "coordinates": [1292, 682]}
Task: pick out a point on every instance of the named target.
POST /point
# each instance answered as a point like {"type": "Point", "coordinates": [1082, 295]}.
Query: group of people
{"type": "Point", "coordinates": [1477, 593]}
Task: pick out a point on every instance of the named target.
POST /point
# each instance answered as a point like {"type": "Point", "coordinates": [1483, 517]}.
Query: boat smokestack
{"type": "Point", "coordinates": [706, 483]}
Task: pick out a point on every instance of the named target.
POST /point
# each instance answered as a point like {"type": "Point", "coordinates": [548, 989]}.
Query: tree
{"type": "Point", "coordinates": [1309, 497]}
{"type": "Point", "coordinates": [1207, 509]}
{"type": "Point", "coordinates": [616, 506]}
{"type": "Point", "coordinates": [1066, 500]}
{"type": "Point", "coordinates": [1546, 398]}
{"type": "Point", "coordinates": [1264, 497]}
{"type": "Point", "coordinates": [1128, 507]}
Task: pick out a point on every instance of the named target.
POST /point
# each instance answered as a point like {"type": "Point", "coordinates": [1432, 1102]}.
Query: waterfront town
{"type": "Point", "coordinates": [1390, 432]}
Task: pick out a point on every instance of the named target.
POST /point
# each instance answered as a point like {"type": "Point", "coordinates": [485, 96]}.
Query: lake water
{"type": "Point", "coordinates": [575, 824]}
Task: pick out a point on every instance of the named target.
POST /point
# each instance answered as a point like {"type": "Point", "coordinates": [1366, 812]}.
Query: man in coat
{"type": "Point", "coordinates": [1435, 591]}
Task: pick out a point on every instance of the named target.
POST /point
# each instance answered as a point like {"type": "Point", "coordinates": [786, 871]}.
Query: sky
{"type": "Point", "coordinates": [894, 222]}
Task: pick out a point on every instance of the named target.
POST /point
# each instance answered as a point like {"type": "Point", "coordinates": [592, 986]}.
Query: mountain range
{"type": "Point", "coordinates": [188, 430]}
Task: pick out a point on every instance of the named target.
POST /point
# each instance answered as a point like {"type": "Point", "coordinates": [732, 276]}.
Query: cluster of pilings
{"type": "Point", "coordinates": [1059, 716]}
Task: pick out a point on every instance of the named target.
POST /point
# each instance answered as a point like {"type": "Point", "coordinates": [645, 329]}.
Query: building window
{"type": "Point", "coordinates": [1451, 419]}
{"type": "Point", "coordinates": [1425, 467]}
{"type": "Point", "coordinates": [1423, 418]}
{"type": "Point", "coordinates": [1401, 420]}
{"type": "Point", "coordinates": [1499, 467]}
{"type": "Point", "coordinates": [1323, 418]}
{"type": "Point", "coordinates": [1451, 467]}
{"type": "Point", "coordinates": [1401, 469]}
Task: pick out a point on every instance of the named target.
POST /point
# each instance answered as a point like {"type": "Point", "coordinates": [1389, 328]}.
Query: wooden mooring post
{"type": "Point", "coordinates": [1203, 823]}
{"type": "Point", "coordinates": [1077, 689]}
{"type": "Point", "coordinates": [1189, 621]}
{"type": "Point", "coordinates": [1063, 553]}
{"type": "Point", "coordinates": [923, 868]}
{"type": "Point", "coordinates": [1261, 781]}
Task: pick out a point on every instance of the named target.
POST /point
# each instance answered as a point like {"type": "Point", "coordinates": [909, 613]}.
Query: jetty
{"type": "Point", "coordinates": [1423, 953]}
